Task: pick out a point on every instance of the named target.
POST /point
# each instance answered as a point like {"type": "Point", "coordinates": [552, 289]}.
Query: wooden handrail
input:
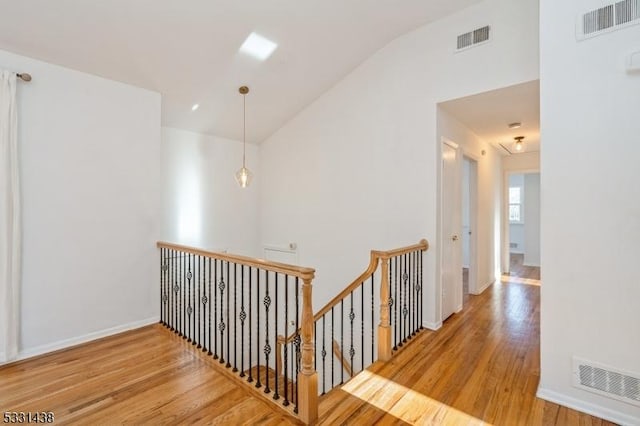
{"type": "Point", "coordinates": [295, 271]}
{"type": "Point", "coordinates": [376, 255]}
{"type": "Point", "coordinates": [422, 245]}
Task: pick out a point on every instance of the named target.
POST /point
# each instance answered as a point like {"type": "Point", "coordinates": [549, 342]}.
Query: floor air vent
{"type": "Point", "coordinates": [473, 38]}
{"type": "Point", "coordinates": [608, 18]}
{"type": "Point", "coordinates": [606, 381]}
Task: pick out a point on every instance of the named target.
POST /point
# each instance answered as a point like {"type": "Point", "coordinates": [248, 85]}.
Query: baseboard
{"type": "Point", "coordinates": [483, 288]}
{"type": "Point", "coordinates": [534, 265]}
{"type": "Point", "coordinates": [63, 344]}
{"type": "Point", "coordinates": [433, 325]}
{"type": "Point", "coordinates": [586, 407]}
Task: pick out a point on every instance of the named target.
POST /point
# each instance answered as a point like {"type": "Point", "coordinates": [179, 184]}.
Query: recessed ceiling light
{"type": "Point", "coordinates": [258, 46]}
{"type": "Point", "coordinates": [515, 125]}
{"type": "Point", "coordinates": [195, 107]}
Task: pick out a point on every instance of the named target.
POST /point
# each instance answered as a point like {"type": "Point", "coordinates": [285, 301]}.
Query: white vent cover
{"type": "Point", "coordinates": [473, 38]}
{"type": "Point", "coordinates": [611, 17]}
{"type": "Point", "coordinates": [606, 381]}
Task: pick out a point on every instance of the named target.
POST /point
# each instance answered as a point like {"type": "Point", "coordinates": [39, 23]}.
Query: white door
{"type": "Point", "coordinates": [451, 265]}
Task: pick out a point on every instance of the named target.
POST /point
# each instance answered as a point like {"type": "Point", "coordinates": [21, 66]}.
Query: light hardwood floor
{"type": "Point", "coordinates": [482, 366]}
{"type": "Point", "coordinates": [146, 376]}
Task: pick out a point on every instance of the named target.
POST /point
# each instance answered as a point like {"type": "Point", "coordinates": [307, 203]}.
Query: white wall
{"type": "Point", "coordinates": [90, 155]}
{"type": "Point", "coordinates": [203, 206]}
{"type": "Point", "coordinates": [361, 162]}
{"type": "Point", "coordinates": [590, 206]}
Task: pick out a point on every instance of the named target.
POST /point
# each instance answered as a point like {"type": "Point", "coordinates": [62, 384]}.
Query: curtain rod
{"type": "Point", "coordinates": [24, 76]}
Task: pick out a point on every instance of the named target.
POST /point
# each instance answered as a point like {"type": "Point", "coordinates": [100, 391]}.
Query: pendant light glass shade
{"type": "Point", "coordinates": [519, 144]}
{"type": "Point", "coordinates": [244, 175]}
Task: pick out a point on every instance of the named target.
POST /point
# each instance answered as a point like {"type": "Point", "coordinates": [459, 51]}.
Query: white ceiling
{"type": "Point", "coordinates": [188, 49]}
{"type": "Point", "coordinates": [489, 114]}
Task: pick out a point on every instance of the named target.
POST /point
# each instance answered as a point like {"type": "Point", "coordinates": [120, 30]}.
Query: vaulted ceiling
{"type": "Point", "coordinates": [188, 49]}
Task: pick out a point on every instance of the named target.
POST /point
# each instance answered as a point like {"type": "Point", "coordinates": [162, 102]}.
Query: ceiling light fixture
{"type": "Point", "coordinates": [519, 145]}
{"type": "Point", "coordinates": [244, 175]}
{"type": "Point", "coordinates": [516, 125]}
{"type": "Point", "coordinates": [195, 107]}
{"type": "Point", "coordinates": [257, 46]}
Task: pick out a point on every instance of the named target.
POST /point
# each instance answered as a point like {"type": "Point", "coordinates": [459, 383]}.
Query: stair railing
{"type": "Point", "coordinates": [234, 307]}
{"type": "Point", "coordinates": [346, 339]}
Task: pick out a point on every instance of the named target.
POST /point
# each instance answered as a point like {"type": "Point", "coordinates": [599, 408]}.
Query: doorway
{"type": "Point", "coordinates": [469, 226]}
{"type": "Point", "coordinates": [523, 227]}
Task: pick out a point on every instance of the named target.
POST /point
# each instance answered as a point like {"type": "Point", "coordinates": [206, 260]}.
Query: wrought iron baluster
{"type": "Point", "coordinates": [228, 364]}
{"type": "Point", "coordinates": [209, 301]}
{"type": "Point", "coordinates": [332, 358]}
{"type": "Point", "coordinates": [420, 289]}
{"type": "Point", "coordinates": [188, 305]}
{"type": "Point", "coordinates": [342, 341]}
{"type": "Point", "coordinates": [250, 379]}
{"type": "Point", "coordinates": [183, 292]}
{"type": "Point", "coordinates": [215, 308]}
{"type": "Point", "coordinates": [267, 346]}
{"type": "Point", "coordinates": [174, 291]}
{"type": "Point", "coordinates": [373, 334]}
{"type": "Point", "coordinates": [276, 394]}
{"type": "Point", "coordinates": [403, 262]}
{"type": "Point", "coordinates": [352, 316]}
{"type": "Point", "coordinates": [362, 326]}
{"type": "Point", "coordinates": [297, 343]}
{"type": "Point", "coordinates": [414, 290]}
{"type": "Point", "coordinates": [199, 301]}
{"type": "Point", "coordinates": [286, 335]}
{"type": "Point", "coordinates": [258, 384]}
{"type": "Point", "coordinates": [235, 318]}
{"type": "Point", "coordinates": [222, 326]}
{"type": "Point", "coordinates": [162, 320]}
{"type": "Point", "coordinates": [395, 302]}
{"type": "Point", "coordinates": [324, 355]}
{"type": "Point", "coordinates": [243, 316]}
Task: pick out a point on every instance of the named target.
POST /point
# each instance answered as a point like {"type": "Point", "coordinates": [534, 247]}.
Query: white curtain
{"type": "Point", "coordinates": [10, 226]}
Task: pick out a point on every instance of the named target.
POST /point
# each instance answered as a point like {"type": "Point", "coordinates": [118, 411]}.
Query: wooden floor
{"type": "Point", "coordinates": [518, 269]}
{"type": "Point", "coordinates": [147, 376]}
{"type": "Point", "coordinates": [482, 367]}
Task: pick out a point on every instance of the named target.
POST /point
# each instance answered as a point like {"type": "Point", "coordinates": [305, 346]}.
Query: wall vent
{"type": "Point", "coordinates": [473, 38]}
{"type": "Point", "coordinates": [513, 245]}
{"type": "Point", "coordinates": [606, 381]}
{"type": "Point", "coordinates": [608, 18]}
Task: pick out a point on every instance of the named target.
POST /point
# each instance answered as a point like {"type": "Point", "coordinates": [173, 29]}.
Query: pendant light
{"type": "Point", "coordinates": [244, 175]}
{"type": "Point", "coordinates": [519, 144]}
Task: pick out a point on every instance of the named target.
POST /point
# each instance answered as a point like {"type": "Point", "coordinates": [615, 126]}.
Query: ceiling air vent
{"type": "Point", "coordinates": [606, 381]}
{"type": "Point", "coordinates": [608, 18]}
{"type": "Point", "coordinates": [473, 38]}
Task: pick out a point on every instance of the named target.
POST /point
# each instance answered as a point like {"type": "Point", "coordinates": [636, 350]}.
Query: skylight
{"type": "Point", "coordinates": [257, 46]}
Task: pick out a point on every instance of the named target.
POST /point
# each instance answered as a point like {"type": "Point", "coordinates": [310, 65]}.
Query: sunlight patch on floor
{"type": "Point", "coordinates": [517, 280]}
{"type": "Point", "coordinates": [405, 404]}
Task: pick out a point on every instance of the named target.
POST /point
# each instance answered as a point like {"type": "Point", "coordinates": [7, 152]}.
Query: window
{"type": "Point", "coordinates": [515, 204]}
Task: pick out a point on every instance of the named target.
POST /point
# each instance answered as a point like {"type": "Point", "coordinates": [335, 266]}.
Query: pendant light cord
{"type": "Point", "coordinates": [244, 129]}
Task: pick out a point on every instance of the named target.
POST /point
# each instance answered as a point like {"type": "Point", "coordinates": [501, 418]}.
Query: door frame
{"type": "Point", "coordinates": [474, 288]}
{"type": "Point", "coordinates": [458, 197]}
{"type": "Point", "coordinates": [506, 238]}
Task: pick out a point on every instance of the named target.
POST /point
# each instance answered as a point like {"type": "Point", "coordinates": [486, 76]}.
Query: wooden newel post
{"type": "Point", "coordinates": [308, 377]}
{"type": "Point", "coordinates": [384, 329]}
